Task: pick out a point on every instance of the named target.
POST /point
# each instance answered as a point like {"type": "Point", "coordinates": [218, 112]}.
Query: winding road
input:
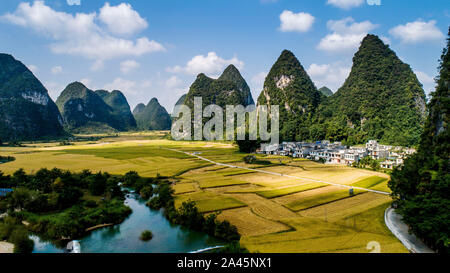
{"type": "Point", "coordinates": [394, 222]}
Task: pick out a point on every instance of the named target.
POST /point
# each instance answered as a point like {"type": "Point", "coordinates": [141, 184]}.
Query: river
{"type": "Point", "coordinates": [124, 238]}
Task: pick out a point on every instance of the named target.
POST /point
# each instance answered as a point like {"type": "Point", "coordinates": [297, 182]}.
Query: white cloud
{"type": "Point", "coordinates": [345, 4]}
{"type": "Point", "coordinates": [126, 86]}
{"type": "Point", "coordinates": [78, 34]}
{"type": "Point", "coordinates": [74, 2]}
{"type": "Point", "coordinates": [258, 80]}
{"type": "Point", "coordinates": [57, 70]}
{"type": "Point", "coordinates": [210, 64]}
{"type": "Point", "coordinates": [418, 31]}
{"type": "Point", "coordinates": [299, 22]}
{"type": "Point", "coordinates": [173, 82]}
{"type": "Point", "coordinates": [385, 40]}
{"type": "Point", "coordinates": [86, 81]}
{"type": "Point", "coordinates": [32, 68]}
{"type": "Point", "coordinates": [427, 81]}
{"type": "Point", "coordinates": [347, 34]}
{"type": "Point", "coordinates": [54, 89]}
{"type": "Point", "coordinates": [122, 19]}
{"type": "Point", "coordinates": [128, 66]}
{"type": "Point", "coordinates": [330, 75]}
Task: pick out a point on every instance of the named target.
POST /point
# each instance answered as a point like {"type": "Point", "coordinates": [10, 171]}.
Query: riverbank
{"type": "Point", "coordinates": [6, 247]}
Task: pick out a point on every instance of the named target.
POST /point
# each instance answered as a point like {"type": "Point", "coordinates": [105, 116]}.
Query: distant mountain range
{"type": "Point", "coordinates": [152, 116]}
{"type": "Point", "coordinates": [326, 91]}
{"type": "Point", "coordinates": [229, 89]}
{"type": "Point", "coordinates": [86, 111]}
{"type": "Point", "coordinates": [381, 99]}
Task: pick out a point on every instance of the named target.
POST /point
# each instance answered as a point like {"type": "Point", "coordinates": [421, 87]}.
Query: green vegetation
{"type": "Point", "coordinates": [421, 188]}
{"type": "Point", "coordinates": [289, 190]}
{"type": "Point", "coordinates": [26, 110]}
{"type": "Point", "coordinates": [289, 86]}
{"type": "Point", "coordinates": [4, 159]}
{"type": "Point", "coordinates": [229, 89]}
{"type": "Point", "coordinates": [188, 215]}
{"type": "Point", "coordinates": [326, 91]}
{"type": "Point", "coordinates": [181, 100]}
{"type": "Point", "coordinates": [132, 152]}
{"type": "Point", "coordinates": [11, 230]}
{"type": "Point", "coordinates": [381, 99]}
{"type": "Point", "coordinates": [319, 199]}
{"type": "Point", "coordinates": [152, 117]}
{"type": "Point", "coordinates": [84, 110]}
{"type": "Point", "coordinates": [369, 182]}
{"type": "Point", "coordinates": [146, 235]}
{"type": "Point", "coordinates": [63, 205]}
{"type": "Point", "coordinates": [123, 118]}
{"type": "Point", "coordinates": [232, 248]}
{"type": "Point", "coordinates": [367, 162]}
{"type": "Point", "coordinates": [209, 202]}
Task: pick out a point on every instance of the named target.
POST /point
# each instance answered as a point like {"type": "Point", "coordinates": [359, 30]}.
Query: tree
{"type": "Point", "coordinates": [146, 235]}
{"type": "Point", "coordinates": [421, 188]}
{"type": "Point", "coordinates": [97, 184]}
{"type": "Point", "coordinates": [22, 243]}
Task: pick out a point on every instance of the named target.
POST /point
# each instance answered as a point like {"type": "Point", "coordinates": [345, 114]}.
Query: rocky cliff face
{"type": "Point", "coordinates": [289, 86]}
{"type": "Point", "coordinates": [26, 110]}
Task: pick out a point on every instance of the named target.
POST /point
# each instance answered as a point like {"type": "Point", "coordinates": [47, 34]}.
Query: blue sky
{"type": "Point", "coordinates": [156, 48]}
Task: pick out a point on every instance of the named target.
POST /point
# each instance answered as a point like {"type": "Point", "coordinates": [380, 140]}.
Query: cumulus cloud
{"type": "Point", "coordinates": [122, 19]}
{"type": "Point", "coordinates": [126, 86]}
{"type": "Point", "coordinates": [298, 22]}
{"type": "Point", "coordinates": [345, 4]}
{"type": "Point", "coordinates": [128, 66]}
{"type": "Point", "coordinates": [257, 81]}
{"type": "Point", "coordinates": [79, 34]}
{"type": "Point", "coordinates": [347, 34]}
{"type": "Point", "coordinates": [32, 68]}
{"type": "Point", "coordinates": [330, 75]}
{"type": "Point", "coordinates": [210, 64]}
{"type": "Point", "coordinates": [86, 81]}
{"type": "Point", "coordinates": [57, 70]}
{"type": "Point", "coordinates": [426, 80]}
{"type": "Point", "coordinates": [173, 82]}
{"type": "Point", "coordinates": [418, 31]}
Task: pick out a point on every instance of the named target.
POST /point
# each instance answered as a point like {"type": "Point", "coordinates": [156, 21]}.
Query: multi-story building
{"type": "Point", "coordinates": [336, 153]}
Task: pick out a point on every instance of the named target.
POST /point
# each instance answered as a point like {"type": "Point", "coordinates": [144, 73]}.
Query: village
{"type": "Point", "coordinates": [337, 153]}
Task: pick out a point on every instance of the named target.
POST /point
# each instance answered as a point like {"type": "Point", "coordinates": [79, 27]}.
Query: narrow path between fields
{"type": "Point", "coordinates": [278, 174]}
{"type": "Point", "coordinates": [401, 231]}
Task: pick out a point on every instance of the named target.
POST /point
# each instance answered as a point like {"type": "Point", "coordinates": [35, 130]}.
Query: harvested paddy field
{"type": "Point", "coordinates": [273, 213]}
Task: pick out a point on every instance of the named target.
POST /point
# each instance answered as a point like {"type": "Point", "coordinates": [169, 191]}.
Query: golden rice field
{"type": "Point", "coordinates": [272, 213]}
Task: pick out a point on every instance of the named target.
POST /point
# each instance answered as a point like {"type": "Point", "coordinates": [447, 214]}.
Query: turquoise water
{"type": "Point", "coordinates": [124, 238]}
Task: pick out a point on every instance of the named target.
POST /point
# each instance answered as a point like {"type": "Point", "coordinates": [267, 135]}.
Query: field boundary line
{"type": "Point", "coordinates": [279, 174]}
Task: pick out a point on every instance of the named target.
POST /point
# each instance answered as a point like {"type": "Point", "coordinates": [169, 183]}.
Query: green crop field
{"type": "Point", "coordinates": [289, 190]}
{"type": "Point", "coordinates": [320, 199]}
{"type": "Point", "coordinates": [370, 182]}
